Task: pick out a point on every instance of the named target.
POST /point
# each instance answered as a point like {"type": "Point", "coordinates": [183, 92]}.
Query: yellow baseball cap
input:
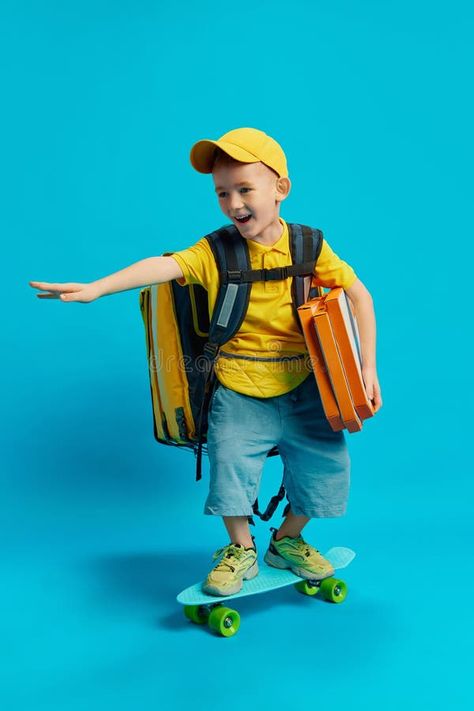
{"type": "Point", "coordinates": [248, 145]}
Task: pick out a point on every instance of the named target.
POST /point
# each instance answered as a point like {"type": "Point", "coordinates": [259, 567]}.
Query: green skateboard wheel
{"type": "Point", "coordinates": [333, 590]}
{"type": "Point", "coordinates": [307, 588]}
{"type": "Point", "coordinates": [196, 613]}
{"type": "Point", "coordinates": [224, 621]}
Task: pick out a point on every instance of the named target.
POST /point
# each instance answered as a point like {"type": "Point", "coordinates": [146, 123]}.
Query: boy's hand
{"type": "Point", "coordinates": [67, 292]}
{"type": "Point", "coordinates": [372, 386]}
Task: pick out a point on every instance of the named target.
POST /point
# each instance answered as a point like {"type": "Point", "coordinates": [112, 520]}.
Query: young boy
{"type": "Point", "coordinates": [266, 393]}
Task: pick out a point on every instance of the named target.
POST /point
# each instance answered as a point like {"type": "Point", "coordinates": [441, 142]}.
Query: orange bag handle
{"type": "Point", "coordinates": [322, 293]}
{"type": "Point", "coordinates": [313, 285]}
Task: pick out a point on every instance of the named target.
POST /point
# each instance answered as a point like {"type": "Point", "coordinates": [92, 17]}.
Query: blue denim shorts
{"type": "Point", "coordinates": [242, 429]}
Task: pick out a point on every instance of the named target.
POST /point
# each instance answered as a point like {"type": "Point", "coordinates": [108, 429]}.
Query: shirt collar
{"type": "Point", "coordinates": [281, 245]}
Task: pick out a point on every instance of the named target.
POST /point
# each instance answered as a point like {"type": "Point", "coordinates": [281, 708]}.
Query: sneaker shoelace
{"type": "Point", "coordinates": [229, 551]}
{"type": "Point", "coordinates": [308, 550]}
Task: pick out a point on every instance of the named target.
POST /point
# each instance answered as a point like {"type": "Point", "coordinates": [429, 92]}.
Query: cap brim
{"type": "Point", "coordinates": [202, 154]}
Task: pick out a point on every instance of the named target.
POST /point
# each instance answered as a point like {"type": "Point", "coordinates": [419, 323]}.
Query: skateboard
{"type": "Point", "coordinates": [202, 608]}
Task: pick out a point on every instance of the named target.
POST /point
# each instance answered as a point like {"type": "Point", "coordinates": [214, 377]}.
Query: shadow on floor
{"type": "Point", "coordinates": [154, 579]}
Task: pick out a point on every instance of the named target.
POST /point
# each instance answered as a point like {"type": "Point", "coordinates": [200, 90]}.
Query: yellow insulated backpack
{"type": "Point", "coordinates": [182, 343]}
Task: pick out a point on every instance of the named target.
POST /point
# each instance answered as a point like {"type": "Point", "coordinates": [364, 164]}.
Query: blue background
{"type": "Point", "coordinates": [102, 526]}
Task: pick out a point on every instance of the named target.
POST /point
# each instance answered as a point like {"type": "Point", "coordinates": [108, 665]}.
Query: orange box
{"type": "Point", "coordinates": [332, 339]}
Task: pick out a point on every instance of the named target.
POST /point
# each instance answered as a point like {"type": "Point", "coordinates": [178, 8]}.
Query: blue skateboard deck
{"type": "Point", "coordinates": [268, 578]}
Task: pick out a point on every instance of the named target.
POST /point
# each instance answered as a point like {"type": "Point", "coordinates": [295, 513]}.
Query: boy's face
{"type": "Point", "coordinates": [249, 189]}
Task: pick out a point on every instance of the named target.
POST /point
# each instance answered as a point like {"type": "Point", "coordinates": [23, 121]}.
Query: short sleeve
{"type": "Point", "coordinates": [331, 271]}
{"type": "Point", "coordinates": [197, 264]}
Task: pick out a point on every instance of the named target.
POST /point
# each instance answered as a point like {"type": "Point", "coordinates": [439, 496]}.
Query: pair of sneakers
{"type": "Point", "coordinates": [239, 563]}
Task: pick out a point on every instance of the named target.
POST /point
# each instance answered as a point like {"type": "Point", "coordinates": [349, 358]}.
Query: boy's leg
{"type": "Point", "coordinates": [292, 525]}
{"type": "Point", "coordinates": [316, 458]}
{"type": "Point", "coordinates": [241, 431]}
{"type": "Point", "coordinates": [316, 478]}
{"type": "Point", "coordinates": [238, 529]}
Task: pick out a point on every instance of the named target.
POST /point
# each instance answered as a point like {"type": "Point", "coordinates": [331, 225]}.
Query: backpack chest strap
{"type": "Point", "coordinates": [239, 276]}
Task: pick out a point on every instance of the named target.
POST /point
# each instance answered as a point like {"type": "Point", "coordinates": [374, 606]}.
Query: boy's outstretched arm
{"type": "Point", "coordinates": [152, 270]}
{"type": "Point", "coordinates": [362, 302]}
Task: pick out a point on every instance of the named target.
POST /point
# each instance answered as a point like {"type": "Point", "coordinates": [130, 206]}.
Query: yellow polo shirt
{"type": "Point", "coordinates": [269, 329]}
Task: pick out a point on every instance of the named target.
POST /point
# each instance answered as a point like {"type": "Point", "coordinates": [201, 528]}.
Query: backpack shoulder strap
{"type": "Point", "coordinates": [231, 253]}
{"type": "Point", "coordinates": [305, 246]}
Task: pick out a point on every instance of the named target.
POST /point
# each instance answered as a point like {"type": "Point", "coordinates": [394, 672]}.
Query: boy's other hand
{"type": "Point", "coordinates": [67, 292]}
{"type": "Point", "coordinates": [372, 386]}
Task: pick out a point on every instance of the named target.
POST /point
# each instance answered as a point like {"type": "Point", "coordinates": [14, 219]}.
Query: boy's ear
{"type": "Point", "coordinates": [283, 187]}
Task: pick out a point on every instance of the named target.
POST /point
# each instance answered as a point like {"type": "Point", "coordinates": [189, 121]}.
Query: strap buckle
{"type": "Point", "coordinates": [274, 274]}
{"type": "Point", "coordinates": [234, 275]}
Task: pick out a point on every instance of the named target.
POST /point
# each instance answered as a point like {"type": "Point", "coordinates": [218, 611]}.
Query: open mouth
{"type": "Point", "coordinates": [244, 219]}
